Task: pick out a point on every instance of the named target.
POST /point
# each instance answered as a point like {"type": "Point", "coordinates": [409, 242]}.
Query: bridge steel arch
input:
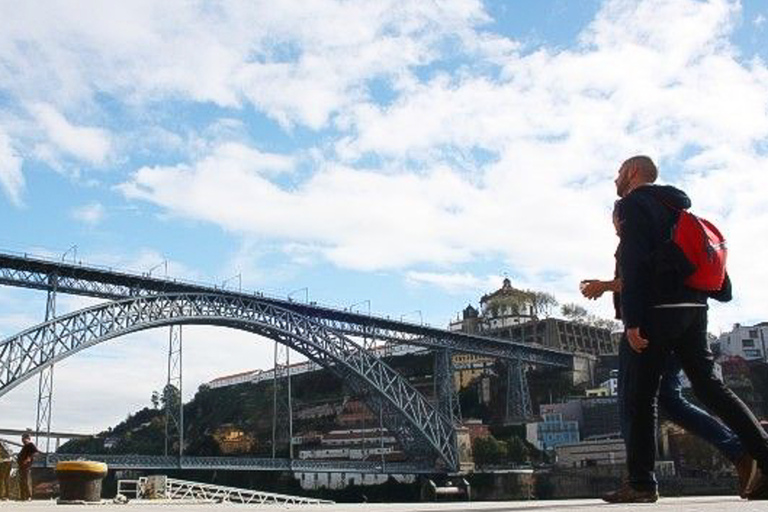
{"type": "Point", "coordinates": [417, 422]}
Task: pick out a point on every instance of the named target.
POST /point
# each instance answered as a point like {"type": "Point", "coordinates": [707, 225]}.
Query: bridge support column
{"type": "Point", "coordinates": [174, 401]}
{"type": "Point", "coordinates": [282, 405]}
{"type": "Point", "coordinates": [45, 382]}
{"type": "Point", "coordinates": [518, 407]}
{"type": "Point", "coordinates": [446, 398]}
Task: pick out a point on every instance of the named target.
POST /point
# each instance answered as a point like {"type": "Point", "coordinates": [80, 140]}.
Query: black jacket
{"type": "Point", "coordinates": [651, 269]}
{"type": "Point", "coordinates": [26, 455]}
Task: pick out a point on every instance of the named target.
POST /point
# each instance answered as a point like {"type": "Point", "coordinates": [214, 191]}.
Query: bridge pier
{"type": "Point", "coordinates": [518, 406]}
{"type": "Point", "coordinates": [45, 381]}
{"type": "Point", "coordinates": [282, 404]}
{"type": "Point", "coordinates": [446, 398]}
{"type": "Point", "coordinates": [174, 400]}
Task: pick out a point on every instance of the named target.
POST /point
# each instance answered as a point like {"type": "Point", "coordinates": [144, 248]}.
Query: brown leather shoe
{"type": "Point", "coordinates": [627, 494]}
{"type": "Point", "coordinates": [746, 469]}
{"type": "Point", "coordinates": [759, 490]}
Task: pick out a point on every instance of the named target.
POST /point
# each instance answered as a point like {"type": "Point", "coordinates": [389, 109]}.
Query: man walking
{"type": "Point", "coordinates": [662, 316]}
{"type": "Point", "coordinates": [670, 397]}
{"type": "Point", "coordinates": [25, 458]}
{"type": "Point", "coordinates": [5, 472]}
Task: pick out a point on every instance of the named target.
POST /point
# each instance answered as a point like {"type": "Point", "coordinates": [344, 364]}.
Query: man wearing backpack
{"type": "Point", "coordinates": [670, 397]}
{"type": "Point", "coordinates": [662, 315]}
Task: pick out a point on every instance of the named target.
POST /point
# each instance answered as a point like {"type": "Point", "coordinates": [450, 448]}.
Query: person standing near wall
{"type": "Point", "coordinates": [25, 458]}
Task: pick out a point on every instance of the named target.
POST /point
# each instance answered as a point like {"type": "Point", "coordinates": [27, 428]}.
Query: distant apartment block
{"type": "Point", "coordinates": [552, 432]}
{"type": "Point", "coordinates": [595, 416]}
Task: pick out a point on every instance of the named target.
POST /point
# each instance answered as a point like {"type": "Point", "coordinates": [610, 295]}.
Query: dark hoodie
{"type": "Point", "coordinates": [651, 269]}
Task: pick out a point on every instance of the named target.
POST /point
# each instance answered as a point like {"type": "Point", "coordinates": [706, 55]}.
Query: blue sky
{"type": "Point", "coordinates": [406, 153]}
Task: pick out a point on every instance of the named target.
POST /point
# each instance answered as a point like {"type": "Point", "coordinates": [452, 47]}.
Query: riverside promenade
{"type": "Point", "coordinates": [695, 504]}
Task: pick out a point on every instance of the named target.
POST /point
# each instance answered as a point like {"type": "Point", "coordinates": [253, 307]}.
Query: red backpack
{"type": "Point", "coordinates": [704, 247]}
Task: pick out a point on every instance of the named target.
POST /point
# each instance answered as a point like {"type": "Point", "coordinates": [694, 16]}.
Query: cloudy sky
{"type": "Point", "coordinates": [409, 154]}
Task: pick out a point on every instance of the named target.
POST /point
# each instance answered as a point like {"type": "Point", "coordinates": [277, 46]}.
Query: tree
{"type": "Point", "coordinates": [611, 325]}
{"type": "Point", "coordinates": [155, 400]}
{"type": "Point", "coordinates": [580, 314]}
{"type": "Point", "coordinates": [517, 451]}
{"type": "Point", "coordinates": [574, 312]}
{"type": "Point", "coordinates": [171, 397]}
{"type": "Point", "coordinates": [543, 303]}
{"type": "Point", "coordinates": [489, 450]}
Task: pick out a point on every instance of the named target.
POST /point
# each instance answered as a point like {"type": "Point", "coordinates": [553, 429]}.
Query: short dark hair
{"type": "Point", "coordinates": [644, 165]}
{"type": "Point", "coordinates": [26, 435]}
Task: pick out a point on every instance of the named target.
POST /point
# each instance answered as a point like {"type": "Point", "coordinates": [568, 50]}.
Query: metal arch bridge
{"type": "Point", "coordinates": [41, 274]}
{"type": "Point", "coordinates": [315, 331]}
{"type": "Point", "coordinates": [28, 352]}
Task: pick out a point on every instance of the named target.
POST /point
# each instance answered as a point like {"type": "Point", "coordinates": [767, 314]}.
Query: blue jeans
{"type": "Point", "coordinates": [694, 419]}
{"type": "Point", "coordinates": [676, 407]}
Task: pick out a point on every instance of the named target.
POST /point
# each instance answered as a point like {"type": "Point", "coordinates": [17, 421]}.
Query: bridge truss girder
{"type": "Point", "coordinates": [421, 427]}
{"type": "Point", "coordinates": [109, 284]}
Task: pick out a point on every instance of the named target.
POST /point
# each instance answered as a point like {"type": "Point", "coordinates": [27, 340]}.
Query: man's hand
{"type": "Point", "coordinates": [593, 288]}
{"type": "Point", "coordinates": [636, 341]}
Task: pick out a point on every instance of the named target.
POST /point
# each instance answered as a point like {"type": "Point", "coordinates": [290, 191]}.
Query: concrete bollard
{"type": "Point", "coordinates": [80, 481]}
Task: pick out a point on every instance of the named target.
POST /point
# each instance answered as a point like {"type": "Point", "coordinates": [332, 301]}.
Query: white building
{"type": "Point", "coordinates": [507, 306]}
{"type": "Point", "coordinates": [598, 452]}
{"type": "Point", "coordinates": [355, 444]}
{"type": "Point", "coordinates": [746, 341]}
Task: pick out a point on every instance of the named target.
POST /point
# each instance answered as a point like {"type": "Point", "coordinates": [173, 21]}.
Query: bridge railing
{"type": "Point", "coordinates": [192, 282]}
{"type": "Point", "coordinates": [158, 462]}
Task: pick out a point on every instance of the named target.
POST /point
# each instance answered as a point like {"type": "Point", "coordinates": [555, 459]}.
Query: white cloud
{"type": "Point", "coordinates": [91, 213]}
{"type": "Point", "coordinates": [557, 124]}
{"type": "Point", "coordinates": [359, 219]}
{"type": "Point", "coordinates": [298, 61]}
{"type": "Point", "coordinates": [759, 21]}
{"type": "Point", "coordinates": [11, 177]}
{"type": "Point", "coordinates": [454, 282]}
{"type": "Point", "coordinates": [89, 144]}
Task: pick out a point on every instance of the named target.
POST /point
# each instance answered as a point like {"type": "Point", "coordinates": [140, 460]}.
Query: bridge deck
{"type": "Point", "coordinates": [38, 273]}
{"type": "Point", "coordinates": [696, 504]}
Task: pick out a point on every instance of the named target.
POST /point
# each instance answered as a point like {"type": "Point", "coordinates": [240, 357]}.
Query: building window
{"type": "Point", "coordinates": [748, 343]}
{"type": "Point", "coordinates": [753, 334]}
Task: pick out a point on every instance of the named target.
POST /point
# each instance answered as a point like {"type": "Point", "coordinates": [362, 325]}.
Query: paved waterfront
{"type": "Point", "coordinates": [699, 504]}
